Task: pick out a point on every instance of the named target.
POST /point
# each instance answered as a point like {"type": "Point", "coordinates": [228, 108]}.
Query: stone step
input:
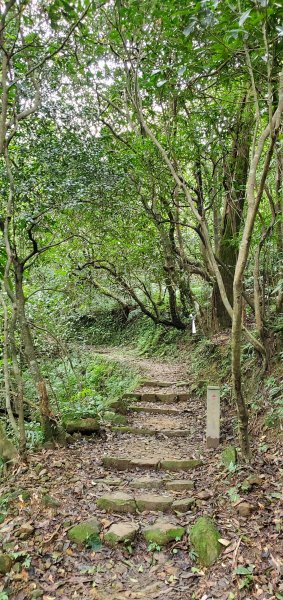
{"type": "Point", "coordinates": [150, 483]}
{"type": "Point", "coordinates": [174, 464]}
{"type": "Point", "coordinates": [147, 431]}
{"type": "Point", "coordinates": [158, 384]}
{"type": "Point", "coordinates": [121, 502]}
{"type": "Point", "coordinates": [161, 532]}
{"type": "Point", "coordinates": [165, 398]}
{"type": "Point", "coordinates": [155, 410]}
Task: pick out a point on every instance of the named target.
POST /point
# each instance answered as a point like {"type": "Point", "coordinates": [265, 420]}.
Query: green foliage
{"type": "Point", "coordinates": [153, 547]}
{"type": "Point", "coordinates": [246, 574]}
{"type": "Point", "coordinates": [274, 390]}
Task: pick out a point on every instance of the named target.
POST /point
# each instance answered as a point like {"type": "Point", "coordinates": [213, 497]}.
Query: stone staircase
{"type": "Point", "coordinates": [157, 491]}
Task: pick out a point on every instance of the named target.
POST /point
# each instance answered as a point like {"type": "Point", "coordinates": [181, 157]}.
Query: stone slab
{"type": "Point", "coordinates": [163, 533]}
{"type": "Point", "coordinates": [121, 532]}
{"type": "Point", "coordinates": [147, 483]}
{"type": "Point", "coordinates": [156, 410]}
{"type": "Point", "coordinates": [167, 398]}
{"type": "Point", "coordinates": [117, 502]}
{"type": "Point", "coordinates": [145, 463]}
{"type": "Point", "coordinates": [183, 505]}
{"type": "Point", "coordinates": [154, 503]}
{"type": "Point", "coordinates": [116, 462]}
{"type": "Point", "coordinates": [177, 485]}
{"type": "Point", "coordinates": [175, 432]}
{"type": "Point", "coordinates": [180, 464]}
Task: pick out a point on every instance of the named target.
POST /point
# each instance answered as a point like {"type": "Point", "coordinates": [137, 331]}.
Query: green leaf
{"type": "Point", "coordinates": [244, 17]}
{"type": "Point", "coordinates": [160, 83]}
{"type": "Point", "coordinates": [244, 570]}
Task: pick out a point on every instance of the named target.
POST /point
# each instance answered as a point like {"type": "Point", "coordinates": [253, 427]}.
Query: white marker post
{"type": "Point", "coordinates": [213, 416]}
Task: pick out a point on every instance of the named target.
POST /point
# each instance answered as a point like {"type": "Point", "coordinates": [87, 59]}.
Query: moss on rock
{"type": "Point", "coordinates": [180, 465]}
{"type": "Point", "coordinates": [81, 533]}
{"type": "Point", "coordinates": [6, 563]}
{"type": "Point", "coordinates": [117, 502]}
{"type": "Point", "coordinates": [163, 533]}
{"type": "Point", "coordinates": [229, 456]}
{"type": "Point", "coordinates": [204, 537]}
{"type": "Point", "coordinates": [121, 532]}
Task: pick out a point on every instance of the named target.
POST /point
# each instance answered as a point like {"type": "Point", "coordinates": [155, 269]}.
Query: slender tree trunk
{"type": "Point", "coordinates": [8, 451]}
{"type": "Point", "coordinates": [19, 384]}
{"type": "Point", "coordinates": [6, 369]}
{"type": "Point", "coordinates": [52, 432]}
{"type": "Point", "coordinates": [236, 373]}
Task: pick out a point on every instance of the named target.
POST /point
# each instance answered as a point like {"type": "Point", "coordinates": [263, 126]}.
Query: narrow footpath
{"type": "Point", "coordinates": [132, 498]}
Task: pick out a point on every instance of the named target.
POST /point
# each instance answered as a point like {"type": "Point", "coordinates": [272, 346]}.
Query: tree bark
{"type": "Point", "coordinates": [52, 432]}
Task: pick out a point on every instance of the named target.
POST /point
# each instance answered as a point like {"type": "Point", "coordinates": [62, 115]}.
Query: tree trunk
{"type": "Point", "coordinates": [52, 432]}
{"type": "Point", "coordinates": [236, 373]}
{"type": "Point", "coordinates": [8, 451]}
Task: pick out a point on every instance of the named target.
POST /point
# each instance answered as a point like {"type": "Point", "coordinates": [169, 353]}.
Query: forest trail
{"type": "Point", "coordinates": [149, 368]}
{"type": "Point", "coordinates": [147, 476]}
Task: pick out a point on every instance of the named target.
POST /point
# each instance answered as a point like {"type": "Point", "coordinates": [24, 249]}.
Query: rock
{"type": "Point", "coordinates": [167, 398]}
{"type": "Point", "coordinates": [83, 531]}
{"type": "Point", "coordinates": [50, 502]}
{"type": "Point", "coordinates": [112, 417]}
{"type": "Point", "coordinates": [205, 495]}
{"type": "Point", "coordinates": [229, 456]}
{"type": "Point", "coordinates": [133, 430]}
{"type": "Point", "coordinates": [176, 432]}
{"type": "Point", "coordinates": [179, 485]}
{"type": "Point", "coordinates": [180, 464]}
{"type": "Point", "coordinates": [183, 397]}
{"type": "Point", "coordinates": [147, 483]}
{"type": "Point", "coordinates": [117, 502]}
{"type": "Point", "coordinates": [120, 532]}
{"type": "Point", "coordinates": [117, 462]}
{"type": "Point", "coordinates": [162, 533]}
{"type": "Point", "coordinates": [25, 531]}
{"type": "Point", "coordinates": [245, 509]}
{"type": "Point", "coordinates": [110, 481]}
{"type": "Point", "coordinates": [148, 397]}
{"type": "Point", "coordinates": [156, 410]}
{"type": "Point", "coordinates": [145, 463]}
{"type": "Point", "coordinates": [88, 426]}
{"type": "Point", "coordinates": [204, 537]}
{"type": "Point", "coordinates": [251, 481]}
{"type": "Point", "coordinates": [183, 505]}
{"type": "Point", "coordinates": [155, 503]}
{"type": "Point", "coordinates": [6, 563]}
{"type": "Point", "coordinates": [254, 480]}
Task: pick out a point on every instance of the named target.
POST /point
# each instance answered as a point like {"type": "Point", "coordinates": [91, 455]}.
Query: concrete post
{"type": "Point", "coordinates": [213, 416]}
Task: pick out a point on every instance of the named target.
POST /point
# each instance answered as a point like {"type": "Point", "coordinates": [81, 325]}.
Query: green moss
{"type": "Point", "coordinates": [204, 537]}
{"type": "Point", "coordinates": [229, 456]}
{"type": "Point", "coordinates": [162, 534]}
{"type": "Point", "coordinates": [180, 465]}
{"type": "Point", "coordinates": [121, 503]}
{"type": "Point", "coordinates": [112, 417]}
{"type": "Point", "coordinates": [84, 531]}
{"type": "Point", "coordinates": [6, 563]}
{"type": "Point", "coordinates": [49, 501]}
{"type": "Point", "coordinates": [121, 532]}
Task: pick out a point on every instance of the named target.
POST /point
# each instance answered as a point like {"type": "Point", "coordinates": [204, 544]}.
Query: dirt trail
{"type": "Point", "coordinates": [149, 368]}
{"type": "Point", "coordinates": [80, 477]}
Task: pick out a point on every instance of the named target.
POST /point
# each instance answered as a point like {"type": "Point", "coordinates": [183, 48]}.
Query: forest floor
{"type": "Point", "coordinates": [60, 488]}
